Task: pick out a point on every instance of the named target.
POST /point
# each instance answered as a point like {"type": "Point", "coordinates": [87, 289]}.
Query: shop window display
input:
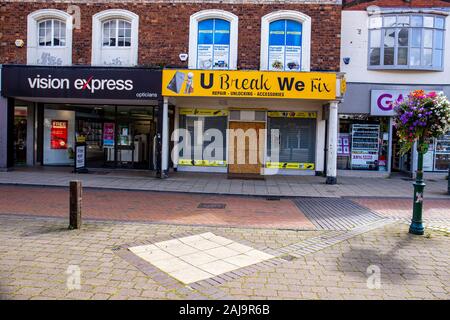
{"type": "Point", "coordinates": [363, 143]}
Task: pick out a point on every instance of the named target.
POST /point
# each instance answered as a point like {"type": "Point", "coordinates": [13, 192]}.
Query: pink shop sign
{"type": "Point", "coordinates": [381, 101]}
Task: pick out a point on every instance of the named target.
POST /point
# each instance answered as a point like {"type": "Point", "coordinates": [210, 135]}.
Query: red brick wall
{"type": "Point", "coordinates": [164, 31]}
{"type": "Point", "coordinates": [363, 4]}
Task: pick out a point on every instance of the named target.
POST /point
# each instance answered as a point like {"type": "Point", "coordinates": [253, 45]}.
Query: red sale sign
{"type": "Point", "coordinates": [58, 134]}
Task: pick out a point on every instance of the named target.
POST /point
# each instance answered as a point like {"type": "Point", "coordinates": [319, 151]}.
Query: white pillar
{"type": "Point", "coordinates": [332, 142]}
{"type": "Point", "coordinates": [165, 139]}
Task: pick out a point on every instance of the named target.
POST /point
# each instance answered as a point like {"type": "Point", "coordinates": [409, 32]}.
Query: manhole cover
{"type": "Point", "coordinates": [211, 205]}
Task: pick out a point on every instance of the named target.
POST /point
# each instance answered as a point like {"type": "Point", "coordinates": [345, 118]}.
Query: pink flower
{"type": "Point", "coordinates": [432, 94]}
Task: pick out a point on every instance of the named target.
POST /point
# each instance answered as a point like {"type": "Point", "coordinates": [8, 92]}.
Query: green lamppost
{"type": "Point", "coordinates": [419, 118]}
{"type": "Point", "coordinates": [416, 226]}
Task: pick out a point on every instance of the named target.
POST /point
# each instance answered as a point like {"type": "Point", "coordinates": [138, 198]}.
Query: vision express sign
{"type": "Point", "coordinates": [249, 84]}
{"type": "Point", "coordinates": [81, 82]}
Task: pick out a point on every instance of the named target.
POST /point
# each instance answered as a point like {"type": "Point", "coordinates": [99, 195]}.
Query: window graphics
{"type": "Point", "coordinates": [285, 45]}
{"type": "Point", "coordinates": [213, 44]}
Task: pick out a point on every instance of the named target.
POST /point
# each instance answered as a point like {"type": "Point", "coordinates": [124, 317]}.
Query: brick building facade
{"type": "Point", "coordinates": [164, 29]}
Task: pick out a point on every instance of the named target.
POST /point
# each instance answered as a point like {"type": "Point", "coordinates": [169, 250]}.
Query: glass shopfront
{"type": "Point", "coordinates": [203, 127]}
{"type": "Point", "coordinates": [297, 139]}
{"type": "Point", "coordinates": [438, 156]}
{"type": "Point", "coordinates": [363, 142]}
{"type": "Point", "coordinates": [115, 136]}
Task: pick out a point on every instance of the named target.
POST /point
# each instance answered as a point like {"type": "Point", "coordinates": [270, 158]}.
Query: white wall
{"type": "Point", "coordinates": [58, 156]}
{"type": "Point", "coordinates": [354, 41]}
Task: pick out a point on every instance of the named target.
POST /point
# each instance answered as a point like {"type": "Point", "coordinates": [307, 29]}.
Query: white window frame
{"type": "Point", "coordinates": [408, 66]}
{"type": "Point", "coordinates": [193, 34]}
{"type": "Point", "coordinates": [33, 20]}
{"type": "Point", "coordinates": [97, 32]}
{"type": "Point", "coordinates": [298, 16]}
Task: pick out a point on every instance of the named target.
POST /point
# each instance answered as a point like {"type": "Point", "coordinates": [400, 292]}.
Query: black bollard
{"type": "Point", "coordinates": [448, 180]}
{"type": "Point", "coordinates": [75, 205]}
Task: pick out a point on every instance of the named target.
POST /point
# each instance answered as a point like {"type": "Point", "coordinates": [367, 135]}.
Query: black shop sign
{"type": "Point", "coordinates": [81, 82]}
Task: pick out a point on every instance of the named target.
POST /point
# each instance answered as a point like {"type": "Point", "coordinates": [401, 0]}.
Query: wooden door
{"type": "Point", "coordinates": [245, 152]}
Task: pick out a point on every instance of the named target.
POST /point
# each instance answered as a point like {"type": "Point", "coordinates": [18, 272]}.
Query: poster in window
{"type": "Point", "coordinates": [293, 55]}
{"type": "Point", "coordinates": [58, 134]}
{"type": "Point", "coordinates": [276, 58]}
{"type": "Point", "coordinates": [108, 134]}
{"type": "Point", "coordinates": [285, 45]}
{"type": "Point", "coordinates": [205, 56]}
{"type": "Point", "coordinates": [221, 54]}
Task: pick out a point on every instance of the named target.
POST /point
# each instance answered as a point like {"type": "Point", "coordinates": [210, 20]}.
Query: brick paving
{"type": "Point", "coordinates": [433, 209]}
{"type": "Point", "coordinates": [157, 207]}
{"type": "Point", "coordinates": [35, 253]}
{"type": "Point", "coordinates": [303, 186]}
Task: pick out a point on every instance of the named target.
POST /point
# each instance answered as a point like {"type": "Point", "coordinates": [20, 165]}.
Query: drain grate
{"type": "Point", "coordinates": [204, 205]}
{"type": "Point", "coordinates": [335, 213]}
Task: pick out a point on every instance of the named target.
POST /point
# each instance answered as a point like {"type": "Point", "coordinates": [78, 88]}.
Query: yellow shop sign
{"type": "Point", "coordinates": [249, 84]}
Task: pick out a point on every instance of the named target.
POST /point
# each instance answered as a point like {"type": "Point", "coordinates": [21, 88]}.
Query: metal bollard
{"type": "Point", "coordinates": [448, 180]}
{"type": "Point", "coordinates": [75, 205]}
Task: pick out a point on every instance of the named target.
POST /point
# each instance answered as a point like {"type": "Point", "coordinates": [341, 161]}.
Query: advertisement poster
{"type": "Point", "coordinates": [80, 161]}
{"type": "Point", "coordinates": [205, 56]}
{"type": "Point", "coordinates": [108, 134]}
{"type": "Point", "coordinates": [58, 134]}
{"type": "Point", "coordinates": [292, 58]}
{"type": "Point", "coordinates": [276, 58]}
{"type": "Point", "coordinates": [221, 56]}
{"type": "Point", "coordinates": [364, 160]}
{"type": "Point", "coordinates": [343, 148]}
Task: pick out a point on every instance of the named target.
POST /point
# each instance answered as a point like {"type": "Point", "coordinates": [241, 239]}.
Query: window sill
{"type": "Point", "coordinates": [390, 68]}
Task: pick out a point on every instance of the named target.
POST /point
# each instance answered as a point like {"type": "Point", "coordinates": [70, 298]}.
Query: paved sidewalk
{"type": "Point", "coordinates": [217, 210]}
{"type": "Point", "coordinates": [39, 259]}
{"type": "Point", "coordinates": [306, 186]}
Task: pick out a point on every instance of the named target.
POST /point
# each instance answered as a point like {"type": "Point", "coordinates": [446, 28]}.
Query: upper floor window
{"type": "Point", "coordinates": [115, 38]}
{"type": "Point", "coordinates": [410, 41]}
{"type": "Point", "coordinates": [116, 33]}
{"type": "Point", "coordinates": [52, 33]}
{"type": "Point", "coordinates": [213, 44]}
{"type": "Point", "coordinates": [285, 45]}
{"type": "Point", "coordinates": [285, 41]}
{"type": "Point", "coordinates": [213, 40]}
{"type": "Point", "coordinates": [49, 38]}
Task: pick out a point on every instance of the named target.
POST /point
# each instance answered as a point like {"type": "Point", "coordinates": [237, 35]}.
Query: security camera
{"type": "Point", "coordinates": [346, 60]}
{"type": "Point", "coordinates": [183, 56]}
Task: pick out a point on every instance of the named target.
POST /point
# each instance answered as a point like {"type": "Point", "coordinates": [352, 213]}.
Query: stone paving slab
{"type": "Point", "coordinates": [35, 254]}
{"type": "Point", "coordinates": [293, 186]}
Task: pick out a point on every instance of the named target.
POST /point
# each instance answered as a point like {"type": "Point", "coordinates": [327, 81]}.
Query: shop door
{"type": "Point", "coordinates": [245, 152]}
{"type": "Point", "coordinates": [20, 135]}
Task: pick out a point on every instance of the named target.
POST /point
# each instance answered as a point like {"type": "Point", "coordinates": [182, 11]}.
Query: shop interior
{"type": "Point", "coordinates": [363, 142]}
{"type": "Point", "coordinates": [115, 136]}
